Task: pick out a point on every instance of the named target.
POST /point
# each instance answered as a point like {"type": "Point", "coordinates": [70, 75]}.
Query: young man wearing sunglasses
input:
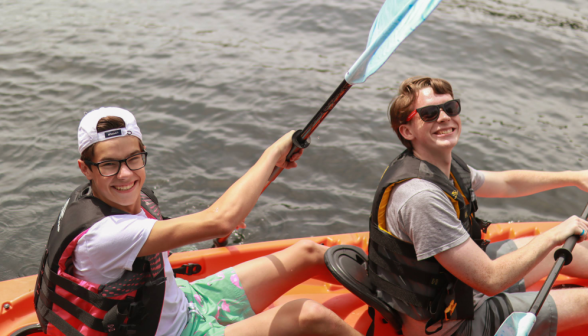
{"type": "Point", "coordinates": [426, 255]}
{"type": "Point", "coordinates": [106, 267]}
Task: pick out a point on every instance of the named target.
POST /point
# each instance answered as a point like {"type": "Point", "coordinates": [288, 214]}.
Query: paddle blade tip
{"type": "Point", "coordinates": [517, 324]}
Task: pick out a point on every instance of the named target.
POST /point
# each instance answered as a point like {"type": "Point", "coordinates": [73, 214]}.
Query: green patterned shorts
{"type": "Point", "coordinates": [214, 302]}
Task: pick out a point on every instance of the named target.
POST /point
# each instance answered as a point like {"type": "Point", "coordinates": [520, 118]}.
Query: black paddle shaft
{"type": "Point", "coordinates": [563, 256]}
{"type": "Point", "coordinates": [301, 139]}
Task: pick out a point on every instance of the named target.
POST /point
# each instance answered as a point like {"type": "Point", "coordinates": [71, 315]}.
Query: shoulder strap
{"type": "Point", "coordinates": [150, 203]}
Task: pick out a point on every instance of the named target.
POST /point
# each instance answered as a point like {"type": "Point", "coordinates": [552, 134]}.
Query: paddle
{"type": "Point", "coordinates": [520, 324]}
{"type": "Point", "coordinates": [394, 22]}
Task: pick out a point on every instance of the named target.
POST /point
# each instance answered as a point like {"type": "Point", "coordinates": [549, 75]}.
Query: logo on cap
{"type": "Point", "coordinates": [112, 133]}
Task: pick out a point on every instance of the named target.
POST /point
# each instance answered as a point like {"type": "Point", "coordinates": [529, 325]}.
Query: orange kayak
{"type": "Point", "coordinates": [18, 318]}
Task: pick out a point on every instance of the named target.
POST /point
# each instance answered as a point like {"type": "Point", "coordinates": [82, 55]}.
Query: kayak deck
{"type": "Point", "coordinates": [16, 296]}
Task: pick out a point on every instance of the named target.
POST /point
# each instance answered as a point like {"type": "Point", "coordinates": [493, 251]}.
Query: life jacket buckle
{"type": "Point", "coordinates": [449, 310]}
{"type": "Point", "coordinates": [483, 224]}
{"type": "Point", "coordinates": [134, 309]}
{"type": "Point", "coordinates": [123, 311]}
{"type": "Point", "coordinates": [128, 329]}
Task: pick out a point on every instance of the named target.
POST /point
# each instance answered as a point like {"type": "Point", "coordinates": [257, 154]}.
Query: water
{"type": "Point", "coordinates": [213, 83]}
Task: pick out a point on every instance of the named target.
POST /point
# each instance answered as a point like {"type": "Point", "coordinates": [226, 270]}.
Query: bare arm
{"type": "Point", "coordinates": [517, 183]}
{"type": "Point", "coordinates": [472, 266]}
{"type": "Point", "coordinates": [228, 212]}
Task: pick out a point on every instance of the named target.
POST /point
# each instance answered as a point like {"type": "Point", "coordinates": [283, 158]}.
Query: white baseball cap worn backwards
{"type": "Point", "coordinates": [87, 134]}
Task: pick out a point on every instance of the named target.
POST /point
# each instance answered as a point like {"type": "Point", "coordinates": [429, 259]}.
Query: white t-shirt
{"type": "Point", "coordinates": [110, 247]}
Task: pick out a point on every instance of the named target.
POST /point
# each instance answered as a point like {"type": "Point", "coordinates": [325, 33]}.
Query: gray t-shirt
{"type": "Point", "coordinates": [420, 213]}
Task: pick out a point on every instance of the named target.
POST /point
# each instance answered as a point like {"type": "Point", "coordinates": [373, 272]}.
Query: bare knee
{"type": "Point", "coordinates": [316, 319]}
{"type": "Point", "coordinates": [572, 305]}
{"type": "Point", "coordinates": [310, 250]}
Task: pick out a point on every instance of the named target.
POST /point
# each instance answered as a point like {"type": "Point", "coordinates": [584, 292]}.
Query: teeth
{"type": "Point", "coordinates": [125, 187]}
{"type": "Point", "coordinates": [447, 131]}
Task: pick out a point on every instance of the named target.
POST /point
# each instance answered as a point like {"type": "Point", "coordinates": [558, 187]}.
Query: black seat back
{"type": "Point", "coordinates": [348, 264]}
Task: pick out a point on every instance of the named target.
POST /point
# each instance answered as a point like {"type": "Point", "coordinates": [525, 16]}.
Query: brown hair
{"type": "Point", "coordinates": [106, 124]}
{"type": "Point", "coordinates": [401, 106]}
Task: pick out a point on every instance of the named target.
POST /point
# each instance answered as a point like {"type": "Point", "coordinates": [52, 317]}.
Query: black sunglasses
{"type": "Point", "coordinates": [431, 113]}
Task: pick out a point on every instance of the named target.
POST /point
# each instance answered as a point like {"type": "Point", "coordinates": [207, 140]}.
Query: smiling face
{"type": "Point", "coordinates": [432, 138]}
{"type": "Point", "coordinates": [123, 190]}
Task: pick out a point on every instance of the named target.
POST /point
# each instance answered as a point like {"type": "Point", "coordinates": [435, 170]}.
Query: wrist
{"type": "Point", "coordinates": [577, 179]}
{"type": "Point", "coordinates": [550, 238]}
{"type": "Point", "coordinates": [272, 153]}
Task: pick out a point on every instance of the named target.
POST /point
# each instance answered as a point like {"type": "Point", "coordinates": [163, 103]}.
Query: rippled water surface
{"type": "Point", "coordinates": [213, 83]}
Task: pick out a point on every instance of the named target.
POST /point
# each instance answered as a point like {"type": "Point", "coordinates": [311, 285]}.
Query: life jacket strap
{"type": "Point", "coordinates": [48, 296]}
{"type": "Point", "coordinates": [438, 313]}
{"type": "Point", "coordinates": [413, 274]}
{"type": "Point", "coordinates": [397, 247]}
{"type": "Point", "coordinates": [409, 297]}
{"type": "Point", "coordinates": [51, 317]}
{"type": "Point", "coordinates": [372, 328]}
{"type": "Point", "coordinates": [51, 278]}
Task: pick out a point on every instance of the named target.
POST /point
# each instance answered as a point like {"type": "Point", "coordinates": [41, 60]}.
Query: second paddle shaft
{"type": "Point", "coordinates": [563, 256]}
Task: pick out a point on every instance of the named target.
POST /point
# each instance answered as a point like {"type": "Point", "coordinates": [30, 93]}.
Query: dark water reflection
{"type": "Point", "coordinates": [214, 83]}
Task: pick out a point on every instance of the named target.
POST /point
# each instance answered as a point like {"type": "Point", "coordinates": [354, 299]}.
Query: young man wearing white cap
{"type": "Point", "coordinates": [106, 268]}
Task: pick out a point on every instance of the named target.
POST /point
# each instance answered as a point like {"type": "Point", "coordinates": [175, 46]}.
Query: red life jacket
{"type": "Point", "coordinates": [66, 305]}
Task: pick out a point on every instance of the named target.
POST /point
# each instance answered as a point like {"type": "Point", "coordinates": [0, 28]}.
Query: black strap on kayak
{"type": "Point", "coordinates": [188, 269]}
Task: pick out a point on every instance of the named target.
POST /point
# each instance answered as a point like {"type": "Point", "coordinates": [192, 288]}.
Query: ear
{"type": "Point", "coordinates": [85, 170]}
{"type": "Point", "coordinates": [406, 132]}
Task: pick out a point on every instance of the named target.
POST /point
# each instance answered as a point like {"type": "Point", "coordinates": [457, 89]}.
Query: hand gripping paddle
{"type": "Point", "coordinates": [520, 324]}
{"type": "Point", "coordinates": [395, 21]}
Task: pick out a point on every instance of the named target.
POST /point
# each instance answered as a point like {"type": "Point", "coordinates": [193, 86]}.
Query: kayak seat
{"type": "Point", "coordinates": [31, 329]}
{"type": "Point", "coordinates": [348, 264]}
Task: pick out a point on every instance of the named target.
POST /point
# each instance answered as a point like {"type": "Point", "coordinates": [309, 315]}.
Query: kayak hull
{"type": "Point", "coordinates": [16, 296]}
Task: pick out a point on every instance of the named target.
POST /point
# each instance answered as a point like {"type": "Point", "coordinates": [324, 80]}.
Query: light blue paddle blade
{"type": "Point", "coordinates": [395, 21]}
{"type": "Point", "coordinates": [517, 324]}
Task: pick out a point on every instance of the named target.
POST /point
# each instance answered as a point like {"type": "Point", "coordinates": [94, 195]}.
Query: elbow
{"type": "Point", "coordinates": [225, 230]}
{"type": "Point", "coordinates": [490, 286]}
{"type": "Point", "coordinates": [489, 291]}
{"type": "Point", "coordinates": [225, 223]}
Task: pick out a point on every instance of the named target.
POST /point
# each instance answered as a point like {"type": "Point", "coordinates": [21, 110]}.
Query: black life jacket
{"type": "Point", "coordinates": [67, 305]}
{"type": "Point", "coordinates": [392, 260]}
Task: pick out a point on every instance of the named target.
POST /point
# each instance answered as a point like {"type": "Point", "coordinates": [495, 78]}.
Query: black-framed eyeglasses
{"type": "Point", "coordinates": [112, 167]}
{"type": "Point", "coordinates": [431, 113]}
